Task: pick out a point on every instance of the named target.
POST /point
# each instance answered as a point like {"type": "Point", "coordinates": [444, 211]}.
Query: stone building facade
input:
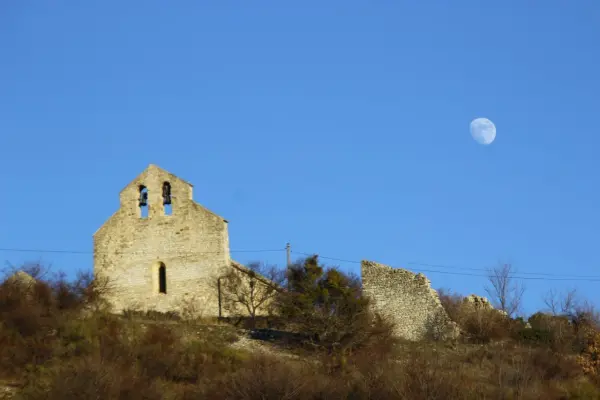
{"type": "Point", "coordinates": [161, 250]}
{"type": "Point", "coordinates": [408, 300]}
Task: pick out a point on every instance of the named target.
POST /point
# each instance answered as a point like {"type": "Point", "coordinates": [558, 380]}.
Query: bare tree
{"type": "Point", "coordinates": [578, 310]}
{"type": "Point", "coordinates": [566, 304]}
{"type": "Point", "coordinates": [585, 312]}
{"type": "Point", "coordinates": [250, 289]}
{"type": "Point", "coordinates": [505, 291]}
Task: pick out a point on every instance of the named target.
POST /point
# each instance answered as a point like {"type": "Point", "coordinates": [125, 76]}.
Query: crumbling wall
{"type": "Point", "coordinates": [408, 299]}
{"type": "Point", "coordinates": [480, 303]}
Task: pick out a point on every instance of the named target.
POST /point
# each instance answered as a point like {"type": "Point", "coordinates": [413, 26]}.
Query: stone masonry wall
{"type": "Point", "coordinates": [192, 242]}
{"type": "Point", "coordinates": [407, 298]}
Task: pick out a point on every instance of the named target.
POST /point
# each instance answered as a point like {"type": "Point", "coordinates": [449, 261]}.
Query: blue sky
{"type": "Point", "coordinates": [342, 127]}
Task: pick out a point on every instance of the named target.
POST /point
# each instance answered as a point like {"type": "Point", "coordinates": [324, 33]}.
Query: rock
{"type": "Point", "coordinates": [478, 301]}
{"type": "Point", "coordinates": [482, 303]}
{"type": "Point", "coordinates": [21, 278]}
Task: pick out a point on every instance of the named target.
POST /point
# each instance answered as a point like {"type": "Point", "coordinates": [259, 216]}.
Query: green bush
{"type": "Point", "coordinates": [330, 310]}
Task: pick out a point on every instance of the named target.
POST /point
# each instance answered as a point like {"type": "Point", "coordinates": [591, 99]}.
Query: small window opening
{"type": "Point", "coordinates": [143, 201]}
{"type": "Point", "coordinates": [166, 193]}
{"type": "Point", "coordinates": [162, 279]}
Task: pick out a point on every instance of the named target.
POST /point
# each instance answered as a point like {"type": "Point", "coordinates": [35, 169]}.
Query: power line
{"type": "Point", "coordinates": [485, 270]}
{"type": "Point", "coordinates": [590, 278]}
{"type": "Point", "coordinates": [45, 251]}
{"type": "Point", "coordinates": [328, 258]}
{"type": "Point", "coordinates": [459, 267]}
{"type": "Point", "coordinates": [91, 252]}
{"type": "Point", "coordinates": [558, 277]}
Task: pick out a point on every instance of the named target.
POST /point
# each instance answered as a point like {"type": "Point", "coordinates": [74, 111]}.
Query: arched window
{"type": "Point", "coordinates": [166, 194]}
{"type": "Point", "coordinates": [143, 201]}
{"type": "Point", "coordinates": [162, 279]}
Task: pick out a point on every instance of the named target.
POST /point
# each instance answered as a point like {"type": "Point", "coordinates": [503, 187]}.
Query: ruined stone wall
{"type": "Point", "coordinates": [408, 299]}
{"type": "Point", "coordinates": [192, 243]}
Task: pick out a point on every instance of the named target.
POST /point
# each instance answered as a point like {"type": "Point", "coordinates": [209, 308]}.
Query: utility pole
{"type": "Point", "coordinates": [219, 291]}
{"type": "Point", "coordinates": [288, 251]}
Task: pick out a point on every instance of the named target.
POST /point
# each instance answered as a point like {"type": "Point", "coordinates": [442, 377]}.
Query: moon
{"type": "Point", "coordinates": [483, 131]}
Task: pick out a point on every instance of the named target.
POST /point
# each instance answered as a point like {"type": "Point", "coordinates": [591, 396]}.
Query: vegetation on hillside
{"type": "Point", "coordinates": [58, 341]}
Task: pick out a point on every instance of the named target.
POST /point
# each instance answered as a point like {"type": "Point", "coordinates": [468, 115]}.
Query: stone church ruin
{"type": "Point", "coordinates": [163, 251]}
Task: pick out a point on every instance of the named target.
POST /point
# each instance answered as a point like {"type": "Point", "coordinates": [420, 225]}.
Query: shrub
{"type": "Point", "coordinates": [329, 308]}
{"type": "Point", "coordinates": [478, 324]}
{"type": "Point", "coordinates": [265, 377]}
{"type": "Point", "coordinates": [555, 332]}
{"type": "Point", "coordinates": [452, 303]}
{"type": "Point", "coordinates": [550, 365]}
{"type": "Point", "coordinates": [589, 359]}
{"type": "Point", "coordinates": [92, 378]}
{"type": "Point", "coordinates": [151, 315]}
{"type": "Point", "coordinates": [37, 316]}
{"type": "Point", "coordinates": [58, 352]}
{"type": "Point", "coordinates": [424, 376]}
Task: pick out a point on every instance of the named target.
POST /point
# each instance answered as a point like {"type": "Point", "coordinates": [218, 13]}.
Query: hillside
{"type": "Point", "coordinates": [57, 341]}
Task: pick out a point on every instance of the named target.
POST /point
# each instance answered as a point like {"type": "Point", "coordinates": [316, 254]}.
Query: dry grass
{"type": "Point", "coordinates": [55, 351]}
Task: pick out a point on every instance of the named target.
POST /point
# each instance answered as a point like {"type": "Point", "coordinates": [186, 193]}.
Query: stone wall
{"type": "Point", "coordinates": [480, 303]}
{"type": "Point", "coordinates": [408, 299]}
{"type": "Point", "coordinates": [192, 243]}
